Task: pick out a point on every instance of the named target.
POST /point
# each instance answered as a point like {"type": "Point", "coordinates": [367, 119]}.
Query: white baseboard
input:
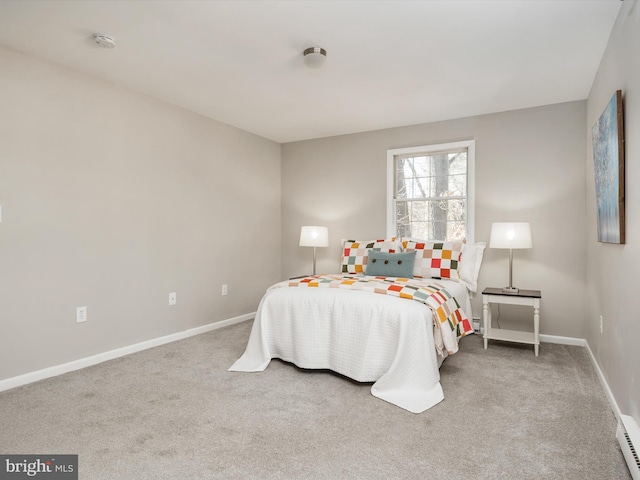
{"type": "Point", "coordinates": [605, 385]}
{"type": "Point", "coordinates": [578, 342]}
{"type": "Point", "coordinates": [31, 377]}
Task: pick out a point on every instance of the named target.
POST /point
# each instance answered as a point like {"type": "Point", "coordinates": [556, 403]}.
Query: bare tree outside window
{"type": "Point", "coordinates": [430, 194]}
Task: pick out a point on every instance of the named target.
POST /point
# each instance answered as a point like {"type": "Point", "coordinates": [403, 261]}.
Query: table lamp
{"type": "Point", "coordinates": [510, 235]}
{"type": "Point", "coordinates": [314, 236]}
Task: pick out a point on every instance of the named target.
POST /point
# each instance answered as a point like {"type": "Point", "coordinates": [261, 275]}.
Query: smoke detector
{"type": "Point", "coordinates": [105, 41]}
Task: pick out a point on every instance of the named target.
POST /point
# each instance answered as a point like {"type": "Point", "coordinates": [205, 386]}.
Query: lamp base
{"type": "Point", "coordinates": [510, 290]}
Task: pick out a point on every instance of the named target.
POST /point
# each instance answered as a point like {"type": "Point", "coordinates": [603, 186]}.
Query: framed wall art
{"type": "Point", "coordinates": [608, 159]}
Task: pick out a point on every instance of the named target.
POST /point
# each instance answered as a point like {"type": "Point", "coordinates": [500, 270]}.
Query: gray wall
{"type": "Point", "coordinates": [112, 199]}
{"type": "Point", "coordinates": [612, 285]}
{"type": "Point", "coordinates": [529, 167]}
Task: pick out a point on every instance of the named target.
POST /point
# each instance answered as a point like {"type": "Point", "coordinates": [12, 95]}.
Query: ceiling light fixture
{"type": "Point", "coordinates": [105, 41]}
{"type": "Point", "coordinates": [314, 57]}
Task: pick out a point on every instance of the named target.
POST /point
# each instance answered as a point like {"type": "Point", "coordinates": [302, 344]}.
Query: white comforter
{"type": "Point", "coordinates": [365, 336]}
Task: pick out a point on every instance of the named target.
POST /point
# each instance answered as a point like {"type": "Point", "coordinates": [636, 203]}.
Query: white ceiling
{"type": "Point", "coordinates": [389, 63]}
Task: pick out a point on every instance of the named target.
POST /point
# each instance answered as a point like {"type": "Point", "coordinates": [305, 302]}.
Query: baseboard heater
{"type": "Point", "coordinates": [628, 434]}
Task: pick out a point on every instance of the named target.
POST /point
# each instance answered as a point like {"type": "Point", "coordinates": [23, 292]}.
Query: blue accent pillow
{"type": "Point", "coordinates": [383, 264]}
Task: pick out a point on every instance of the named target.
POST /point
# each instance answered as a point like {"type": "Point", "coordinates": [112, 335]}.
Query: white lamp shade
{"type": "Point", "coordinates": [510, 235]}
{"type": "Point", "coordinates": [314, 236]}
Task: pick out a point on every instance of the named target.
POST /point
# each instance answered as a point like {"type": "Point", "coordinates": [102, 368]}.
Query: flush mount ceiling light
{"type": "Point", "coordinates": [105, 41]}
{"type": "Point", "coordinates": [314, 57]}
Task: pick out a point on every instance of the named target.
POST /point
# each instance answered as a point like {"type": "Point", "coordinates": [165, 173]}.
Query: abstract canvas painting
{"type": "Point", "coordinates": [608, 160]}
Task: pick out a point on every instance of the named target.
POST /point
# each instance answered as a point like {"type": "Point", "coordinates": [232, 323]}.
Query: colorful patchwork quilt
{"type": "Point", "coordinates": [449, 318]}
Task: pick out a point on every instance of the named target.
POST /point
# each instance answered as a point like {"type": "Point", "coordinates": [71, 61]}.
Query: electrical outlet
{"type": "Point", "coordinates": [81, 314]}
{"type": "Point", "coordinates": [173, 298]}
{"type": "Point", "coordinates": [224, 290]}
{"type": "Point", "coordinates": [601, 324]}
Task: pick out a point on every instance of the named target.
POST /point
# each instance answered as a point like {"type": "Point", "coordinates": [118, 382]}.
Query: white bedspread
{"type": "Point", "coordinates": [367, 337]}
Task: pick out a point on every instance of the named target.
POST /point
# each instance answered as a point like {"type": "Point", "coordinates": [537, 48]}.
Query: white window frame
{"type": "Point", "coordinates": [469, 145]}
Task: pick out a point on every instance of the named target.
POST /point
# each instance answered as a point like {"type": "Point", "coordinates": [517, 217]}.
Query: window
{"type": "Point", "coordinates": [430, 191]}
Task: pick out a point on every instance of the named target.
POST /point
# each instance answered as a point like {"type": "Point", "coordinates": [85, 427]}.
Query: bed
{"type": "Point", "coordinates": [389, 330]}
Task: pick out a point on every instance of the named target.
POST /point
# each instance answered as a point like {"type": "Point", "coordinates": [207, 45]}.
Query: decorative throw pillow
{"type": "Point", "coordinates": [390, 264]}
{"type": "Point", "coordinates": [355, 253]}
{"type": "Point", "coordinates": [470, 261]}
{"type": "Point", "coordinates": [438, 260]}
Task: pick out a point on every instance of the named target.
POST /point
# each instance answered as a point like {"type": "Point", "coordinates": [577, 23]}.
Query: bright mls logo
{"type": "Point", "coordinates": [50, 467]}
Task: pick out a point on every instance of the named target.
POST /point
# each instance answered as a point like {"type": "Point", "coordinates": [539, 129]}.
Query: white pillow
{"type": "Point", "coordinates": [470, 261]}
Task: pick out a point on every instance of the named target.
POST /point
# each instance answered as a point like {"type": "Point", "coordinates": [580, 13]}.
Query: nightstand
{"type": "Point", "coordinates": [530, 298]}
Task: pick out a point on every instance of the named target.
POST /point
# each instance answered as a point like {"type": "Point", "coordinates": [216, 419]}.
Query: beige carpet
{"type": "Point", "coordinates": [174, 412]}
